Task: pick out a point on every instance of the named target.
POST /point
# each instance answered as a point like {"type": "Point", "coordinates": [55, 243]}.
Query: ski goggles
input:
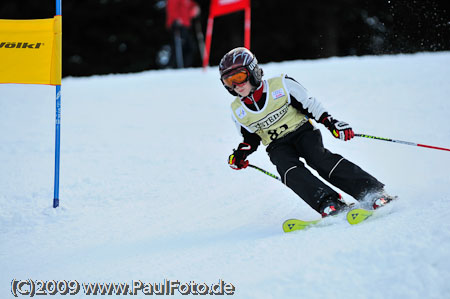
{"type": "Point", "coordinates": [236, 77]}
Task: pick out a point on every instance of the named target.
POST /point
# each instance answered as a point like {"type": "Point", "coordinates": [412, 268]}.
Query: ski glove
{"type": "Point", "coordinates": [339, 129]}
{"type": "Point", "coordinates": [237, 159]}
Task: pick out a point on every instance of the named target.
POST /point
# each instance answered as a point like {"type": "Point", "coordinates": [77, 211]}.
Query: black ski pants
{"type": "Point", "coordinates": [306, 142]}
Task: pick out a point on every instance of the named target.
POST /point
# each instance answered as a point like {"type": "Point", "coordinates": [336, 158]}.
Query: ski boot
{"type": "Point", "coordinates": [332, 206]}
{"type": "Point", "coordinates": [382, 201]}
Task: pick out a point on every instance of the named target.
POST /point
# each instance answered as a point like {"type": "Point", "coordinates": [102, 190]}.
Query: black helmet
{"type": "Point", "coordinates": [240, 58]}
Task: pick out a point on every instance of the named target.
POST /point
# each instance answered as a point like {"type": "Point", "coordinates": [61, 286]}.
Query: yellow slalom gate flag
{"type": "Point", "coordinates": [30, 51]}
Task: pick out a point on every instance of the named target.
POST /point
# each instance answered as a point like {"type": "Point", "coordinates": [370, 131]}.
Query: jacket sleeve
{"type": "Point", "coordinates": [306, 104]}
{"type": "Point", "coordinates": [251, 138]}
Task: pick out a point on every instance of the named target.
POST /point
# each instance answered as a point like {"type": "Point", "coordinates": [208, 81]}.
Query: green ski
{"type": "Point", "coordinates": [356, 216]}
{"type": "Point", "coordinates": [296, 224]}
{"type": "Point", "coordinates": [359, 215]}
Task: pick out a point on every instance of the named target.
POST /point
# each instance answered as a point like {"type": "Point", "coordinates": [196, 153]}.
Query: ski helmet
{"type": "Point", "coordinates": [240, 58]}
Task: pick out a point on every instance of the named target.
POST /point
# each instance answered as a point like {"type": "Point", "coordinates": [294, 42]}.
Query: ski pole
{"type": "Point", "coordinates": [402, 142]}
{"type": "Point", "coordinates": [264, 171]}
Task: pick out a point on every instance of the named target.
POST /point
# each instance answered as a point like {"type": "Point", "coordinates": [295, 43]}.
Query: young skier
{"type": "Point", "coordinates": [278, 113]}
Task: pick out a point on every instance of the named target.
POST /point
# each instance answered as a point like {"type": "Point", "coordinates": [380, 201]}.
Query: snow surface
{"type": "Point", "coordinates": [146, 193]}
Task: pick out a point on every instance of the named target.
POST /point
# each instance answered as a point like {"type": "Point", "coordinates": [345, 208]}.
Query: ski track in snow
{"type": "Point", "coordinates": [146, 193]}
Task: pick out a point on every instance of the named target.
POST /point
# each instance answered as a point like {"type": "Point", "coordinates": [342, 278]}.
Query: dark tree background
{"type": "Point", "coordinates": [119, 36]}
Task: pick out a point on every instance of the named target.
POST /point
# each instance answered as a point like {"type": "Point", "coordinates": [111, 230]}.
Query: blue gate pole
{"type": "Point", "coordinates": [57, 130]}
{"type": "Point", "coordinates": [57, 145]}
